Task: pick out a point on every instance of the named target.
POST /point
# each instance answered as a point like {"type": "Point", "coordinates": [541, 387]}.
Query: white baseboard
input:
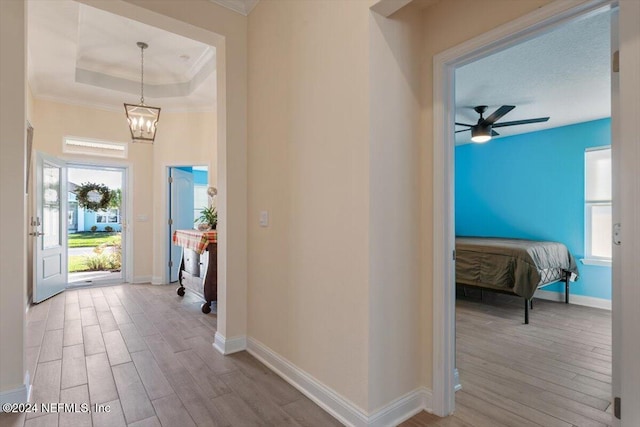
{"type": "Point", "coordinates": [456, 379]}
{"type": "Point", "coordinates": [574, 299]}
{"type": "Point", "coordinates": [157, 280]}
{"type": "Point", "coordinates": [142, 279]}
{"type": "Point", "coordinates": [402, 408]}
{"type": "Point", "coordinates": [21, 394]}
{"type": "Point", "coordinates": [338, 406]}
{"type": "Point", "coordinates": [229, 345]}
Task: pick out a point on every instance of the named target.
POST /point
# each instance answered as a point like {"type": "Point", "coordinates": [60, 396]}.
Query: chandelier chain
{"type": "Point", "coordinates": [142, 75]}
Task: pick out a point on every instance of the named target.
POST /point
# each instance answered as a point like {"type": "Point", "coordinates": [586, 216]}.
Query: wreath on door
{"type": "Point", "coordinates": [93, 197]}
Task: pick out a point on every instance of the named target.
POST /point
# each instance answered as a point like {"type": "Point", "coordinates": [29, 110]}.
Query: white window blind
{"type": "Point", "coordinates": [598, 217]}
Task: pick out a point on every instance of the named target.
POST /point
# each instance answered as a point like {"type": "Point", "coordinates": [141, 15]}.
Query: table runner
{"type": "Point", "coordinates": [194, 239]}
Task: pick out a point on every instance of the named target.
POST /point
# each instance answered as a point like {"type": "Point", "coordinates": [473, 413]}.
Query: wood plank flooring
{"type": "Point", "coordinates": [147, 354]}
{"type": "Point", "coordinates": [556, 371]}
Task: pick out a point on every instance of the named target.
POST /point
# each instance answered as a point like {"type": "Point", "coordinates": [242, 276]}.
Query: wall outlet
{"type": "Point", "coordinates": [264, 218]}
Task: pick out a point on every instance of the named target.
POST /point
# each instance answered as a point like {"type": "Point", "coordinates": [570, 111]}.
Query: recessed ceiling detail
{"type": "Point", "coordinates": [564, 74]}
{"type": "Point", "coordinates": [83, 55]}
{"type": "Point", "coordinates": [243, 7]}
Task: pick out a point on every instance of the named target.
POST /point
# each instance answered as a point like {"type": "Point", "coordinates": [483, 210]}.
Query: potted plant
{"type": "Point", "coordinates": [208, 217]}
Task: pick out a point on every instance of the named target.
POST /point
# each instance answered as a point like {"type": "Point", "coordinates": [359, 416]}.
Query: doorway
{"type": "Point", "coordinates": [187, 196]}
{"type": "Point", "coordinates": [445, 64]}
{"type": "Point", "coordinates": [96, 239]}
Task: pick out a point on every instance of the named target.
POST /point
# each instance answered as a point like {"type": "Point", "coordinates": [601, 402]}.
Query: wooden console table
{"type": "Point", "coordinates": [202, 281]}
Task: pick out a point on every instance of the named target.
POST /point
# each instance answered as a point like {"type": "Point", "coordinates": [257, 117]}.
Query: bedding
{"type": "Point", "coordinates": [512, 265]}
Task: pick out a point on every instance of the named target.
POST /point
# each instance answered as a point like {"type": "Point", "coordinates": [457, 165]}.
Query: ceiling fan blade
{"type": "Point", "coordinates": [494, 133]}
{"type": "Point", "coordinates": [464, 124]}
{"type": "Point", "coordinates": [496, 115]}
{"type": "Point", "coordinates": [463, 130]}
{"type": "Point", "coordinates": [521, 122]}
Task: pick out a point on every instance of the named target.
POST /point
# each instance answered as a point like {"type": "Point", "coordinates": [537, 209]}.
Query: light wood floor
{"type": "Point", "coordinates": [148, 354]}
{"type": "Point", "coordinates": [556, 371]}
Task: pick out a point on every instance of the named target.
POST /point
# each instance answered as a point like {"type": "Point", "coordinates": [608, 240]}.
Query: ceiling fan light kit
{"type": "Point", "coordinates": [483, 130]}
{"type": "Point", "coordinates": [143, 119]}
{"type": "Point", "coordinates": [481, 134]}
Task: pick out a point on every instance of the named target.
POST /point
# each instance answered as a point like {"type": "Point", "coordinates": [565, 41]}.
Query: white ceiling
{"type": "Point", "coordinates": [243, 7]}
{"type": "Point", "coordinates": [564, 74]}
{"type": "Point", "coordinates": [82, 55]}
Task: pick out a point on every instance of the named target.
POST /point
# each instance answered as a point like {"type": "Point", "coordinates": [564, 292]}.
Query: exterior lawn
{"type": "Point", "coordinates": [78, 263]}
{"type": "Point", "coordinates": [93, 239]}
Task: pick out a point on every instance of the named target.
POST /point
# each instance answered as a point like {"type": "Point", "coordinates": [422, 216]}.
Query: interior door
{"type": "Point", "coordinates": [615, 210]}
{"type": "Point", "coordinates": [49, 228]}
{"type": "Point", "coordinates": [181, 213]}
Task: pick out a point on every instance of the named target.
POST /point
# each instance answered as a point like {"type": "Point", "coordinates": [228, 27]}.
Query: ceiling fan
{"type": "Point", "coordinates": [483, 130]}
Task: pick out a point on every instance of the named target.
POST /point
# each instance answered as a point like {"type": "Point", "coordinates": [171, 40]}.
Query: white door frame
{"type": "Point", "coordinates": [128, 225]}
{"type": "Point", "coordinates": [164, 245]}
{"type": "Point", "coordinates": [527, 27]}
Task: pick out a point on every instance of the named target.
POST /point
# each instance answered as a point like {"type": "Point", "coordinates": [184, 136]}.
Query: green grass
{"type": "Point", "coordinates": [93, 239]}
{"type": "Point", "coordinates": [77, 263]}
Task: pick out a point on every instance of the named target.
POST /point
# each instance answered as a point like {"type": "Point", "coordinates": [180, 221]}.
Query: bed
{"type": "Point", "coordinates": [513, 266]}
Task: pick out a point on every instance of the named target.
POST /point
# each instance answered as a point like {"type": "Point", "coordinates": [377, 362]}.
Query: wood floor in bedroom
{"type": "Point", "coordinates": [556, 371]}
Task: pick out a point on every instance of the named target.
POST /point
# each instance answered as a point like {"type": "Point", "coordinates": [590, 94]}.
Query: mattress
{"type": "Point", "coordinates": [512, 265]}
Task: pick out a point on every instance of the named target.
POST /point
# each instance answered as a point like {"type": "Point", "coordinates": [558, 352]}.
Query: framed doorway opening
{"type": "Point", "coordinates": [529, 26]}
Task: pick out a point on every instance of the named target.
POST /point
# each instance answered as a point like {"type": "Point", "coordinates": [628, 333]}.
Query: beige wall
{"type": "Point", "coordinates": [394, 326]}
{"type": "Point", "coordinates": [13, 235]}
{"type": "Point", "coordinates": [182, 139]}
{"type": "Point", "coordinates": [309, 167]}
{"type": "Point", "coordinates": [340, 155]}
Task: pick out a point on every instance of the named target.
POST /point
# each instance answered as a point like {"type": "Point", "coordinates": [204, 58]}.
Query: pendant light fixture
{"type": "Point", "coordinates": [143, 119]}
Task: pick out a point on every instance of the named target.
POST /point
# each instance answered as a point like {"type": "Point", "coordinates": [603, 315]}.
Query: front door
{"type": "Point", "coordinates": [49, 228]}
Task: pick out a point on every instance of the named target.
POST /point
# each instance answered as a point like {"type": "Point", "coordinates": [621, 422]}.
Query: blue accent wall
{"type": "Point", "coordinates": [531, 186]}
{"type": "Point", "coordinates": [200, 177]}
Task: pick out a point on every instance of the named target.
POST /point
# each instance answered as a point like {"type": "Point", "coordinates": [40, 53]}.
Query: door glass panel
{"type": "Point", "coordinates": [50, 206]}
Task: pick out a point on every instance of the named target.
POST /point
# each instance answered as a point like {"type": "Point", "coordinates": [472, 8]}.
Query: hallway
{"type": "Point", "coordinates": [147, 354]}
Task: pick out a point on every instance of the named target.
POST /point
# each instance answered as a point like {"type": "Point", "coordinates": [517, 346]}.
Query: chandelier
{"type": "Point", "coordinates": [143, 119]}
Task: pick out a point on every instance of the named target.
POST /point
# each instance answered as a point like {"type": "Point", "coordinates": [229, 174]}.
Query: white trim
{"type": "Point", "coordinates": [524, 28]}
{"type": "Point", "coordinates": [156, 280]}
{"type": "Point", "coordinates": [21, 394]}
{"type": "Point", "coordinates": [229, 345]}
{"type": "Point", "coordinates": [142, 279]}
{"type": "Point", "coordinates": [575, 299]}
{"type": "Point", "coordinates": [118, 109]}
{"type": "Point", "coordinates": [387, 8]}
{"type": "Point", "coordinates": [598, 262]}
{"type": "Point", "coordinates": [402, 408]}
{"type": "Point", "coordinates": [456, 380]}
{"type": "Point", "coordinates": [335, 404]}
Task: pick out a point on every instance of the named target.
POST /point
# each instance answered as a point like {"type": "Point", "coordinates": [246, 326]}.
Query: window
{"type": "Point", "coordinates": [110, 216]}
{"type": "Point", "coordinates": [598, 218]}
{"type": "Point", "coordinates": [200, 200]}
{"type": "Point", "coordinates": [94, 147]}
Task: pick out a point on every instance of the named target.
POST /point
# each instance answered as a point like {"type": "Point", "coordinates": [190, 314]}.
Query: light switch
{"type": "Point", "coordinates": [142, 218]}
{"type": "Point", "coordinates": [264, 219]}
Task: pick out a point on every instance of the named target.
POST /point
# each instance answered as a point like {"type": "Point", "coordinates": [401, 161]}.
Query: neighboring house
{"type": "Point", "coordinates": [80, 219]}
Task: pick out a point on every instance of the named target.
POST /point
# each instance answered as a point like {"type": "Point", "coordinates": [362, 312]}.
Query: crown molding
{"type": "Point", "coordinates": [243, 7]}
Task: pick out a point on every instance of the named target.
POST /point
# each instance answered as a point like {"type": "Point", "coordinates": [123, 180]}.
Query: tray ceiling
{"type": "Point", "coordinates": [82, 55]}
